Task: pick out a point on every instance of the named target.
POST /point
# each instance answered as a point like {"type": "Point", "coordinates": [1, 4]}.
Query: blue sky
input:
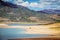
{"type": "Point", "coordinates": [37, 4]}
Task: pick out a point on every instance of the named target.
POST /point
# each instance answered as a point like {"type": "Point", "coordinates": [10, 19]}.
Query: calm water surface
{"type": "Point", "coordinates": [10, 33]}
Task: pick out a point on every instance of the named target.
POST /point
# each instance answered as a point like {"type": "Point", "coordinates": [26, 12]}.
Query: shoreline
{"type": "Point", "coordinates": [35, 39]}
{"type": "Point", "coordinates": [38, 29]}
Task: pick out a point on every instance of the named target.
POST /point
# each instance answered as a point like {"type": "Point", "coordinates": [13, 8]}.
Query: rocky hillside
{"type": "Point", "coordinates": [23, 14]}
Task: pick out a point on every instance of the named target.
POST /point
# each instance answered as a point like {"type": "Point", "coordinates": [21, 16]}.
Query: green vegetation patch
{"type": "Point", "coordinates": [58, 21]}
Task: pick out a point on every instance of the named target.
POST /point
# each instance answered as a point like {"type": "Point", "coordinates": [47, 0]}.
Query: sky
{"type": "Point", "coordinates": [37, 4]}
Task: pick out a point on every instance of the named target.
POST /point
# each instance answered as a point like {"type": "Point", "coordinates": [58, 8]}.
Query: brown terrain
{"type": "Point", "coordinates": [36, 39]}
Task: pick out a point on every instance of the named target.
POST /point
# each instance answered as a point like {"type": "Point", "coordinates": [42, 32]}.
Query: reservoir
{"type": "Point", "coordinates": [11, 33]}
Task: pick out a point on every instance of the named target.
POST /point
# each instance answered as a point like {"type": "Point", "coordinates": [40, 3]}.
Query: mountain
{"type": "Point", "coordinates": [55, 14]}
{"type": "Point", "coordinates": [51, 11]}
{"type": "Point", "coordinates": [8, 4]}
{"type": "Point", "coordinates": [23, 14]}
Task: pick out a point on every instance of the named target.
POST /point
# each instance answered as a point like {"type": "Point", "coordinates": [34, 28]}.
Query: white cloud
{"type": "Point", "coordinates": [26, 4]}
{"type": "Point", "coordinates": [44, 4]}
{"type": "Point", "coordinates": [39, 5]}
{"type": "Point", "coordinates": [7, 0]}
{"type": "Point", "coordinates": [18, 1]}
{"type": "Point", "coordinates": [48, 0]}
{"type": "Point", "coordinates": [34, 4]}
{"type": "Point", "coordinates": [14, 0]}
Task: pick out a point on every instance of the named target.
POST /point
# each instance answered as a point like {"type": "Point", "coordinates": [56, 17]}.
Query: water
{"type": "Point", "coordinates": [21, 24]}
{"type": "Point", "coordinates": [11, 33]}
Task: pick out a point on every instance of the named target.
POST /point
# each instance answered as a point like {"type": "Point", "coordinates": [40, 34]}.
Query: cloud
{"type": "Point", "coordinates": [26, 4]}
{"type": "Point", "coordinates": [14, 1]}
{"type": "Point", "coordinates": [49, 0]}
{"type": "Point", "coordinates": [18, 1]}
{"type": "Point", "coordinates": [42, 4]}
{"type": "Point", "coordinates": [7, 0]}
{"type": "Point", "coordinates": [33, 4]}
{"type": "Point", "coordinates": [50, 4]}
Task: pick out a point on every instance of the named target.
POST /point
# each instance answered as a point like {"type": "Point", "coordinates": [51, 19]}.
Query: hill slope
{"type": "Point", "coordinates": [23, 14]}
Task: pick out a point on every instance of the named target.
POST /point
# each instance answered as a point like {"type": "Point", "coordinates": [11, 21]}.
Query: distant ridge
{"type": "Point", "coordinates": [51, 11]}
